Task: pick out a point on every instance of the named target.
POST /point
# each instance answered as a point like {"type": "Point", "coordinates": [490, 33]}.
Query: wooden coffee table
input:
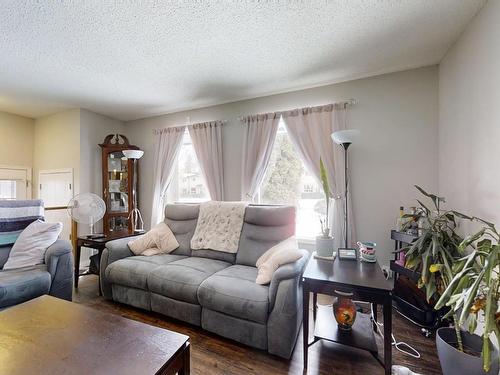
{"type": "Point", "coordinates": [51, 336]}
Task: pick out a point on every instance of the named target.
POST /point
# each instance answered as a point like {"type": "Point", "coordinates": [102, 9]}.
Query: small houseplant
{"type": "Point", "coordinates": [324, 242]}
{"type": "Point", "coordinates": [452, 277]}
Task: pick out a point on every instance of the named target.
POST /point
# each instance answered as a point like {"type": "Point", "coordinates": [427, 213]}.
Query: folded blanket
{"type": "Point", "coordinates": [219, 226]}
{"type": "Point", "coordinates": [15, 216]}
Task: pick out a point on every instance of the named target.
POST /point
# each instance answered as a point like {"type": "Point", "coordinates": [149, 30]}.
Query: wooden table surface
{"type": "Point", "coordinates": [51, 336]}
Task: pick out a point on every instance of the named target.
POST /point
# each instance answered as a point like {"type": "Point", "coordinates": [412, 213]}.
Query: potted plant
{"type": "Point", "coordinates": [455, 279]}
{"type": "Point", "coordinates": [474, 292]}
{"type": "Point", "coordinates": [324, 242]}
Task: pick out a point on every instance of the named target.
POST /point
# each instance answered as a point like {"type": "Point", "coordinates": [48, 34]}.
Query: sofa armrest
{"type": "Point", "coordinates": [287, 271]}
{"type": "Point", "coordinates": [59, 261]}
{"type": "Point", "coordinates": [115, 250]}
{"type": "Point", "coordinates": [285, 317]}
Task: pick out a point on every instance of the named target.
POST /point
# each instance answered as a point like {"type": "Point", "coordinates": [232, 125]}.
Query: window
{"type": "Point", "coordinates": [8, 189]}
{"type": "Point", "coordinates": [288, 181]}
{"type": "Point", "coordinates": [188, 184]}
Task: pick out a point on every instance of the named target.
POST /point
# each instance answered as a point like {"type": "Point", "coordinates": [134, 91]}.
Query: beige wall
{"type": "Point", "coordinates": [57, 145]}
{"type": "Point", "coordinates": [93, 129]}
{"type": "Point", "coordinates": [397, 115]}
{"type": "Point", "coordinates": [469, 118]}
{"type": "Point", "coordinates": [17, 140]}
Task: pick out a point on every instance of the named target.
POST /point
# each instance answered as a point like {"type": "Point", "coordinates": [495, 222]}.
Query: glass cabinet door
{"type": "Point", "coordinates": [117, 194]}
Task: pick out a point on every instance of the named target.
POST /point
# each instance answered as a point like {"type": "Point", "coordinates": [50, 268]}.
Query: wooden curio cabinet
{"type": "Point", "coordinates": [119, 184]}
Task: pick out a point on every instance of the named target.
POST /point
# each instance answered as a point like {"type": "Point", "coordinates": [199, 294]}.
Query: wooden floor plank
{"type": "Point", "coordinates": [211, 354]}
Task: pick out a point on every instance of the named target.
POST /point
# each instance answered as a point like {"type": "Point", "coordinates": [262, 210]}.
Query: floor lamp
{"type": "Point", "coordinates": [345, 138]}
{"type": "Point", "coordinates": [135, 215]}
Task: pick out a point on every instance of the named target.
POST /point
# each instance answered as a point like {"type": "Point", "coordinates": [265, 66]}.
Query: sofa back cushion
{"type": "Point", "coordinates": [4, 254]}
{"type": "Point", "coordinates": [181, 219]}
{"type": "Point", "coordinates": [264, 227]}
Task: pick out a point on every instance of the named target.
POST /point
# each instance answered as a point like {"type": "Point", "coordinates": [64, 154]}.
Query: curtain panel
{"type": "Point", "coordinates": [168, 144]}
{"type": "Point", "coordinates": [258, 141]}
{"type": "Point", "coordinates": [207, 143]}
{"type": "Point", "coordinates": [310, 130]}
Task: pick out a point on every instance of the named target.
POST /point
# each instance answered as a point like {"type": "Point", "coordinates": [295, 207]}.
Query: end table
{"type": "Point", "coordinates": [360, 281]}
{"type": "Point", "coordinates": [94, 243]}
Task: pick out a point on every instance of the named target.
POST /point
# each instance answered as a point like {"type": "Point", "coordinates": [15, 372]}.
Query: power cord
{"type": "Point", "coordinates": [410, 350]}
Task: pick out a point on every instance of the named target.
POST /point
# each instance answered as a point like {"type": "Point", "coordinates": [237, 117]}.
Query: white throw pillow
{"type": "Point", "coordinates": [31, 245]}
{"type": "Point", "coordinates": [285, 252]}
{"type": "Point", "coordinates": [159, 240]}
{"type": "Point", "coordinates": [289, 243]}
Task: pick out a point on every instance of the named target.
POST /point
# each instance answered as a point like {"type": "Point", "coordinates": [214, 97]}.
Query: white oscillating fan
{"type": "Point", "coordinates": [87, 209]}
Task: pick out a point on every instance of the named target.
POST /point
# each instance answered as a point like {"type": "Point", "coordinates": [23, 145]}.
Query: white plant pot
{"type": "Point", "coordinates": [324, 246]}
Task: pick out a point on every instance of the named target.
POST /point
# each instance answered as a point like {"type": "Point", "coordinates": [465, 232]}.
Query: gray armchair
{"type": "Point", "coordinates": [54, 277]}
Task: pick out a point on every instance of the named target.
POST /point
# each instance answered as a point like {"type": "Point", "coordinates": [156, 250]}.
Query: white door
{"type": "Point", "coordinates": [15, 182]}
{"type": "Point", "coordinates": [55, 187]}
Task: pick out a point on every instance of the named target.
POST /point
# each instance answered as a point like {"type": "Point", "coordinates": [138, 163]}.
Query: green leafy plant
{"type": "Point", "coordinates": [325, 223]}
{"type": "Point", "coordinates": [475, 287]}
{"type": "Point", "coordinates": [435, 252]}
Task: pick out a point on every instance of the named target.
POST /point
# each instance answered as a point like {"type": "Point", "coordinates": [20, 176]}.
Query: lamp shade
{"type": "Point", "coordinates": [345, 136]}
{"type": "Point", "coordinates": [133, 154]}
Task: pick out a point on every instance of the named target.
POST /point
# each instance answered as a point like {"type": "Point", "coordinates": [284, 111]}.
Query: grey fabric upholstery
{"type": "Point", "coordinates": [4, 254]}
{"type": "Point", "coordinates": [132, 296]}
{"type": "Point", "coordinates": [233, 291]}
{"type": "Point", "coordinates": [59, 261]}
{"type": "Point", "coordinates": [264, 227]}
{"type": "Point", "coordinates": [244, 331]}
{"type": "Point", "coordinates": [180, 280]}
{"type": "Point", "coordinates": [21, 285]}
{"type": "Point", "coordinates": [185, 311]}
{"type": "Point", "coordinates": [54, 277]}
{"type": "Point", "coordinates": [182, 219]}
{"type": "Point", "coordinates": [134, 271]}
{"type": "Point", "coordinates": [115, 250]}
{"type": "Point", "coordinates": [207, 288]}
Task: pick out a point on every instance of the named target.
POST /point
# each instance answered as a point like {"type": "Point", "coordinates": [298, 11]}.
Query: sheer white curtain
{"type": "Point", "coordinates": [310, 130]}
{"type": "Point", "coordinates": [207, 143]}
{"type": "Point", "coordinates": [168, 144]}
{"type": "Point", "coordinates": [259, 136]}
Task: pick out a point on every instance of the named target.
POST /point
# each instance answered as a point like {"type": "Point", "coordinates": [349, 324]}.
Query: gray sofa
{"type": "Point", "coordinates": [54, 277]}
{"type": "Point", "coordinates": [212, 289]}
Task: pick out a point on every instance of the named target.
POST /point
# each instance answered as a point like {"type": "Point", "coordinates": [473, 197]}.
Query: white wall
{"type": "Point", "coordinates": [469, 118]}
{"type": "Point", "coordinates": [17, 137]}
{"type": "Point", "coordinates": [397, 114]}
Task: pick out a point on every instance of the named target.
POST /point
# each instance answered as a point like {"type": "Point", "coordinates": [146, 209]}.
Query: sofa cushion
{"type": "Point", "coordinates": [23, 284]}
{"type": "Point", "coordinates": [180, 280]}
{"type": "Point", "coordinates": [182, 219]}
{"type": "Point", "coordinates": [233, 291]}
{"type": "Point", "coordinates": [133, 271]}
{"type": "Point", "coordinates": [264, 227]}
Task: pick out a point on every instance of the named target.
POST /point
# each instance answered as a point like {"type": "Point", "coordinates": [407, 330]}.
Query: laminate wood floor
{"type": "Point", "coordinates": [211, 354]}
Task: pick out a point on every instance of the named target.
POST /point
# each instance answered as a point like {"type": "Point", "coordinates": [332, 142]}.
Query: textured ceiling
{"type": "Point", "coordinates": [133, 59]}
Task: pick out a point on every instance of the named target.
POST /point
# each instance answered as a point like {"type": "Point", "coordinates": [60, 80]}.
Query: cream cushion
{"type": "Point", "coordinates": [159, 240]}
{"type": "Point", "coordinates": [31, 245]}
{"type": "Point", "coordinates": [285, 252]}
{"type": "Point", "coordinates": [289, 243]}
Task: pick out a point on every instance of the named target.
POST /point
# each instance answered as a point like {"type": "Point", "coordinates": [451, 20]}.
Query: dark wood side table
{"type": "Point", "coordinates": [97, 243]}
{"type": "Point", "coordinates": [363, 282]}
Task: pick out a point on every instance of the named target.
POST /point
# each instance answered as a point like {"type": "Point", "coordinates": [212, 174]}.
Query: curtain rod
{"type": "Point", "coordinates": [347, 102]}
{"type": "Point", "coordinates": [189, 124]}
